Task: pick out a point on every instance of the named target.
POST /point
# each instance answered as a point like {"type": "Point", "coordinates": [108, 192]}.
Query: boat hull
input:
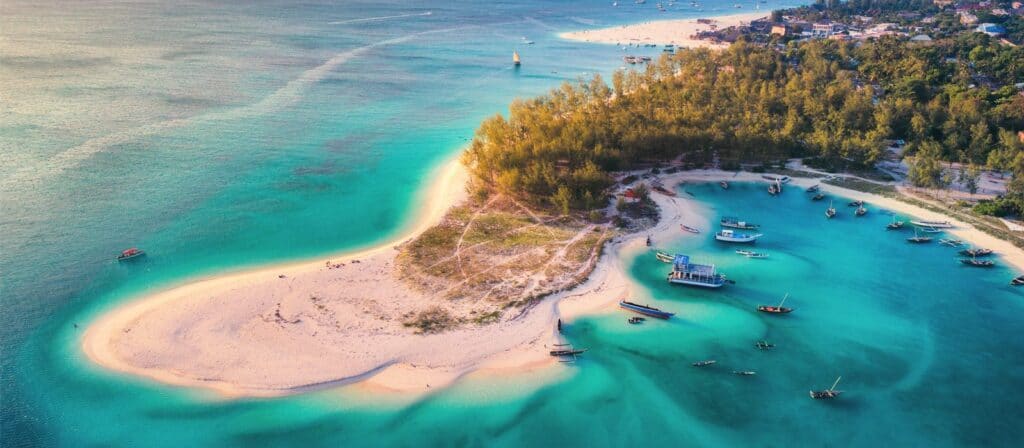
{"type": "Point", "coordinates": [697, 283]}
{"type": "Point", "coordinates": [645, 310]}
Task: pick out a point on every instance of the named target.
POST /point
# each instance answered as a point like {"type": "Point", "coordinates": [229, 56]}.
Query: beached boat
{"type": "Point", "coordinates": [751, 254]}
{"type": "Point", "coordinates": [1017, 281]}
{"type": "Point", "coordinates": [818, 197]}
{"type": "Point", "coordinates": [830, 212]}
{"type": "Point", "coordinates": [724, 185]}
{"type": "Point", "coordinates": [689, 229]}
{"type": "Point", "coordinates": [515, 59]}
{"type": "Point", "coordinates": [704, 363]}
{"type": "Point", "coordinates": [692, 274]}
{"type": "Point", "coordinates": [977, 263]}
{"type": "Point", "coordinates": [931, 230]}
{"type": "Point", "coordinates": [918, 239]}
{"type": "Point", "coordinates": [813, 188]}
{"type": "Point", "coordinates": [735, 223]}
{"type": "Point", "coordinates": [861, 211]}
{"type": "Point", "coordinates": [951, 243]}
{"type": "Point", "coordinates": [827, 393]}
{"type": "Point", "coordinates": [645, 310]}
{"type": "Point", "coordinates": [894, 225]}
{"type": "Point", "coordinates": [778, 309]}
{"type": "Point", "coordinates": [976, 252]}
{"type": "Point", "coordinates": [731, 236]}
{"type": "Point", "coordinates": [932, 224]}
{"type": "Point", "coordinates": [664, 257]}
{"type": "Point", "coordinates": [780, 179]}
{"type": "Point", "coordinates": [764, 345]}
{"type": "Point", "coordinates": [567, 352]}
{"type": "Point", "coordinates": [130, 253]}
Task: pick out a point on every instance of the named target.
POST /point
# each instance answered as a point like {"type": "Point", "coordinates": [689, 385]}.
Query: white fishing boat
{"type": "Point", "coordinates": [932, 224]}
{"type": "Point", "coordinates": [692, 274]}
{"type": "Point", "coordinates": [731, 236]}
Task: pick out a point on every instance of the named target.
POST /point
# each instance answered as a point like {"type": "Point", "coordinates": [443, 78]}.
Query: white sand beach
{"type": "Point", "coordinates": [293, 328]}
{"type": "Point", "coordinates": [677, 32]}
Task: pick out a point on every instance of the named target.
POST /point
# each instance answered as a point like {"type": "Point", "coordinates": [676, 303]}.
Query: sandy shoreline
{"type": "Point", "coordinates": [662, 32]}
{"type": "Point", "coordinates": [258, 334]}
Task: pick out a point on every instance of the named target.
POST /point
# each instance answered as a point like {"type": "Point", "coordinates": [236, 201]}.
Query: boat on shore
{"type": "Point", "coordinates": [645, 310]}
{"type": "Point", "coordinates": [692, 274]}
{"type": "Point", "coordinates": [704, 363]}
{"type": "Point", "coordinates": [931, 230]}
{"type": "Point", "coordinates": [778, 309]}
{"type": "Point", "coordinates": [567, 352]}
{"type": "Point", "coordinates": [689, 229]}
{"type": "Point", "coordinates": [130, 253]}
{"type": "Point", "coordinates": [977, 263]}
{"type": "Point", "coordinates": [779, 179]}
{"type": "Point", "coordinates": [951, 243]}
{"type": "Point", "coordinates": [932, 224]}
{"type": "Point", "coordinates": [664, 257]}
{"type": "Point", "coordinates": [730, 236]}
{"type": "Point", "coordinates": [735, 223]}
{"type": "Point", "coordinates": [976, 252]}
{"type": "Point", "coordinates": [827, 394]}
{"type": "Point", "coordinates": [830, 212]}
{"type": "Point", "coordinates": [813, 188]}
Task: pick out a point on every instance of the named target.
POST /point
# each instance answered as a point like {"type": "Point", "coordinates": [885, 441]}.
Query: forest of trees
{"type": "Point", "coordinates": [833, 100]}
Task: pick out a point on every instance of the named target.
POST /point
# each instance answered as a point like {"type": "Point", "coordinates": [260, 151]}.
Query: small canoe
{"type": "Point", "coordinates": [689, 229]}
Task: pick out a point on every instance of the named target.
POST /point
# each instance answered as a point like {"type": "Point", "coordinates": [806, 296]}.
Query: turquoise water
{"type": "Point", "coordinates": [220, 136]}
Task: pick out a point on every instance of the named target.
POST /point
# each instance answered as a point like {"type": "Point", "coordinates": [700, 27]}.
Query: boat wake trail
{"type": "Point", "coordinates": [375, 19]}
{"type": "Point", "coordinates": [540, 24]}
{"type": "Point", "coordinates": [289, 94]}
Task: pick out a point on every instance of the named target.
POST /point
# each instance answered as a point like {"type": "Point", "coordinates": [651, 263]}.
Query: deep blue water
{"type": "Point", "coordinates": [219, 136]}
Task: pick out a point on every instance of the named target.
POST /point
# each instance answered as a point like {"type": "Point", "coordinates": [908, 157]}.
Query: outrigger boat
{"type": "Point", "coordinates": [664, 257]}
{"type": "Point", "coordinates": [735, 223]}
{"type": "Point", "coordinates": [861, 211]}
{"type": "Point", "coordinates": [724, 185]}
{"type": "Point", "coordinates": [645, 310]}
{"type": "Point", "coordinates": [764, 345]}
{"type": "Point", "coordinates": [779, 309]}
{"type": "Point", "coordinates": [827, 394]}
{"type": "Point", "coordinates": [830, 212]}
{"type": "Point", "coordinates": [951, 243]}
{"type": "Point", "coordinates": [730, 236]}
{"type": "Point", "coordinates": [978, 263]}
{"type": "Point", "coordinates": [1017, 281]}
{"type": "Point", "coordinates": [917, 239]}
{"type": "Point", "coordinates": [931, 230]}
{"type": "Point", "coordinates": [813, 188]}
{"type": "Point", "coordinates": [751, 254]}
{"type": "Point", "coordinates": [976, 252]}
{"type": "Point", "coordinates": [818, 197]}
{"type": "Point", "coordinates": [691, 274]}
{"type": "Point", "coordinates": [689, 229]}
{"type": "Point", "coordinates": [704, 363]}
{"type": "Point", "coordinates": [894, 225]}
{"type": "Point", "coordinates": [933, 224]}
{"type": "Point", "coordinates": [130, 253]}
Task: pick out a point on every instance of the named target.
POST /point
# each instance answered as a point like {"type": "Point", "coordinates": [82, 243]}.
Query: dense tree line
{"type": "Point", "coordinates": [748, 104]}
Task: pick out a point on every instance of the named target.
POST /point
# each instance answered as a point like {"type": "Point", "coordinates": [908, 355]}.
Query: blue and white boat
{"type": "Point", "coordinates": [731, 236]}
{"type": "Point", "coordinates": [692, 274]}
{"type": "Point", "coordinates": [645, 310]}
{"type": "Point", "coordinates": [735, 223]}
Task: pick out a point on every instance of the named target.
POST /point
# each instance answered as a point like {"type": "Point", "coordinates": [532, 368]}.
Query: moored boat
{"type": "Point", "coordinates": [704, 363]}
{"type": "Point", "coordinates": [744, 372]}
{"type": "Point", "coordinates": [951, 243]}
{"type": "Point", "coordinates": [813, 188]}
{"type": "Point", "coordinates": [735, 223]}
{"type": "Point", "coordinates": [976, 252]}
{"type": "Point", "coordinates": [827, 393]}
{"type": "Point", "coordinates": [1017, 281]}
{"type": "Point", "coordinates": [931, 230]}
{"type": "Point", "coordinates": [779, 179]}
{"type": "Point", "coordinates": [635, 320]}
{"type": "Point", "coordinates": [567, 352]}
{"type": "Point", "coordinates": [645, 310]}
{"type": "Point", "coordinates": [918, 239]}
{"type": "Point", "coordinates": [818, 197]}
{"type": "Point", "coordinates": [764, 345]}
{"type": "Point", "coordinates": [932, 224]}
{"type": "Point", "coordinates": [830, 212]}
{"type": "Point", "coordinates": [730, 236]}
{"type": "Point", "coordinates": [751, 254]}
{"type": "Point", "coordinates": [130, 253]}
{"type": "Point", "coordinates": [857, 203]}
{"type": "Point", "coordinates": [894, 225]}
{"type": "Point", "coordinates": [664, 257]}
{"type": "Point", "coordinates": [861, 211]}
{"type": "Point", "coordinates": [724, 185]}
{"type": "Point", "coordinates": [692, 274]}
{"type": "Point", "coordinates": [778, 309]}
{"type": "Point", "coordinates": [977, 263]}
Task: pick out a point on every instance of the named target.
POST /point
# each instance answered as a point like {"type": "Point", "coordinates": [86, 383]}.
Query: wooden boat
{"type": "Point", "coordinates": [778, 309]}
{"type": "Point", "coordinates": [764, 345]}
{"type": "Point", "coordinates": [730, 236]}
{"type": "Point", "coordinates": [977, 263]}
{"type": "Point", "coordinates": [830, 212]}
{"type": "Point", "coordinates": [827, 394]}
{"type": "Point", "coordinates": [1017, 281]}
{"type": "Point", "coordinates": [664, 257]}
{"type": "Point", "coordinates": [704, 363]}
{"type": "Point", "coordinates": [645, 310]}
{"type": "Point", "coordinates": [857, 203]}
{"type": "Point", "coordinates": [813, 188]}
{"type": "Point", "coordinates": [818, 197]}
{"type": "Point", "coordinates": [976, 252]}
{"type": "Point", "coordinates": [515, 59]}
{"type": "Point", "coordinates": [744, 372]}
{"type": "Point", "coordinates": [635, 320]}
{"type": "Point", "coordinates": [567, 352]}
{"type": "Point", "coordinates": [735, 223]}
{"type": "Point", "coordinates": [751, 254]}
{"type": "Point", "coordinates": [724, 185]}
{"type": "Point", "coordinates": [917, 239]}
{"type": "Point", "coordinates": [931, 230]}
{"type": "Point", "coordinates": [951, 243]}
{"type": "Point", "coordinates": [932, 224]}
{"type": "Point", "coordinates": [689, 229]}
{"type": "Point", "coordinates": [130, 253]}
{"type": "Point", "coordinates": [693, 274]}
{"type": "Point", "coordinates": [894, 225]}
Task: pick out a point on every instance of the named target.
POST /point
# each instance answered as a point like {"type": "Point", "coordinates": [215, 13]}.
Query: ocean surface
{"type": "Point", "coordinates": [221, 135]}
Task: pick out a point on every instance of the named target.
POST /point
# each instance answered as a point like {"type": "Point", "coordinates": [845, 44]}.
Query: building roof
{"type": "Point", "coordinates": [921, 38]}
